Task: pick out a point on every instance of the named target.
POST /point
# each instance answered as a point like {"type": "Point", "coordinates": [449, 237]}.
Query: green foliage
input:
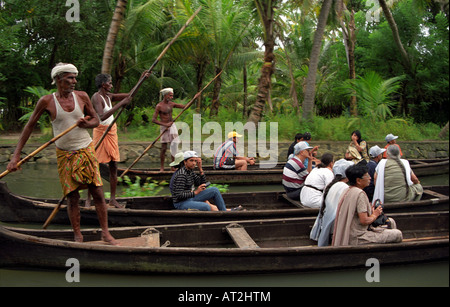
{"type": "Point", "coordinates": [374, 95]}
{"type": "Point", "coordinates": [136, 189]}
{"type": "Point", "coordinates": [226, 34]}
{"type": "Point", "coordinates": [223, 188]}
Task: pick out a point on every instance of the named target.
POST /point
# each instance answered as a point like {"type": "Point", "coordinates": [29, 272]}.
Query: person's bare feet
{"type": "Point", "coordinates": [108, 238]}
{"type": "Point", "coordinates": [113, 202]}
{"type": "Point", "coordinates": [78, 237]}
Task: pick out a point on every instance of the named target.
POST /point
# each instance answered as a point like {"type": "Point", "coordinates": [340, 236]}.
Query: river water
{"type": "Point", "coordinates": [42, 181]}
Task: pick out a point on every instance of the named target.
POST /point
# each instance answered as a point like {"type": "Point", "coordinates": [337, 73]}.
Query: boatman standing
{"type": "Point", "coordinates": [77, 164]}
{"type": "Point", "coordinates": [108, 150]}
{"type": "Point", "coordinates": [164, 111]}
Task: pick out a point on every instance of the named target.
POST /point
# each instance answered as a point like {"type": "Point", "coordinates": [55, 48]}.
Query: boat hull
{"type": "Point", "coordinates": [160, 210]}
{"type": "Point", "coordinates": [256, 175]}
{"type": "Point", "coordinates": [205, 248]}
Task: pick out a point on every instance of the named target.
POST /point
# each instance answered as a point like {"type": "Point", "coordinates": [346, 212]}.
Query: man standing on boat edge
{"type": "Point", "coordinates": [77, 164]}
{"type": "Point", "coordinates": [108, 150]}
{"type": "Point", "coordinates": [164, 111]}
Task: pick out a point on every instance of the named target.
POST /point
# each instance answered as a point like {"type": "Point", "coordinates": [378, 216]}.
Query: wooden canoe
{"type": "Point", "coordinates": [257, 175]}
{"type": "Point", "coordinates": [160, 210]}
{"type": "Point", "coordinates": [256, 246]}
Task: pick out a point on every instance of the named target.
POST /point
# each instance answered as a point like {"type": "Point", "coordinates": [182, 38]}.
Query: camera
{"type": "Point", "coordinates": [377, 204]}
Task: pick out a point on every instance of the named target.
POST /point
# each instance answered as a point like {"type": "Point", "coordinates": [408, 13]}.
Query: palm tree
{"type": "Point", "coordinates": [398, 42]}
{"type": "Point", "coordinates": [266, 13]}
{"type": "Point", "coordinates": [374, 95]}
{"type": "Point", "coordinates": [310, 88]}
{"type": "Point", "coordinates": [116, 21]}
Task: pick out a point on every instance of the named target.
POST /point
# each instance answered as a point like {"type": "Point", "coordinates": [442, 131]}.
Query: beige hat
{"type": "Point", "coordinates": [354, 152]}
{"type": "Point", "coordinates": [179, 157]}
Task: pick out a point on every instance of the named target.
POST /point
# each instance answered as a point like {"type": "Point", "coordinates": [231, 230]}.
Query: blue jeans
{"type": "Point", "coordinates": [198, 202]}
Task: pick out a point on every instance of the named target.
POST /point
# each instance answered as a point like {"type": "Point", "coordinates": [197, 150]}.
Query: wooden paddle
{"type": "Point", "coordinates": [143, 77]}
{"type": "Point", "coordinates": [40, 149]}
{"type": "Point", "coordinates": [133, 92]}
{"type": "Point", "coordinates": [167, 128]}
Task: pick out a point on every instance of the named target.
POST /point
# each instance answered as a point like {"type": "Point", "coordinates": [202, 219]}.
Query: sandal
{"type": "Point", "coordinates": [238, 208]}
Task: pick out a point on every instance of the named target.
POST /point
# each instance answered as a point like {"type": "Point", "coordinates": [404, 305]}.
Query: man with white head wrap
{"type": "Point", "coordinates": [324, 225]}
{"type": "Point", "coordinates": [164, 110]}
{"type": "Point", "coordinates": [77, 165]}
{"type": "Point", "coordinates": [62, 68]}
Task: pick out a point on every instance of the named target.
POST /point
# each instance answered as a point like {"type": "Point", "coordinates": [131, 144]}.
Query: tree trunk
{"type": "Point", "coordinates": [201, 70]}
{"type": "Point", "coordinates": [244, 102]}
{"type": "Point", "coordinates": [393, 25]}
{"type": "Point", "coordinates": [215, 101]}
{"type": "Point", "coordinates": [114, 27]}
{"type": "Point", "coordinates": [267, 15]}
{"type": "Point", "coordinates": [350, 38]}
{"type": "Point", "coordinates": [310, 90]}
{"type": "Point", "coordinates": [444, 131]}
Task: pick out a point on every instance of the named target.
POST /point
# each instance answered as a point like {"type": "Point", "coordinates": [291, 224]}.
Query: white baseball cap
{"type": "Point", "coordinates": [340, 166]}
{"type": "Point", "coordinates": [189, 154]}
{"type": "Point", "coordinates": [300, 146]}
{"type": "Point", "coordinates": [375, 151]}
{"type": "Point", "coordinates": [390, 137]}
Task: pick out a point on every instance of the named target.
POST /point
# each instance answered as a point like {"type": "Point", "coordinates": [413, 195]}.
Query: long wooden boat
{"type": "Point", "coordinates": [257, 175]}
{"type": "Point", "coordinates": [256, 246]}
{"type": "Point", "coordinates": [160, 210]}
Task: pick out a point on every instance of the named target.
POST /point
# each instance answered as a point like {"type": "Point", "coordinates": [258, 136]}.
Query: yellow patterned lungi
{"type": "Point", "coordinates": [77, 169]}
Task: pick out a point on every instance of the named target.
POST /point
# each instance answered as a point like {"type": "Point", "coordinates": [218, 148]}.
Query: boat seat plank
{"type": "Point", "coordinates": [128, 242]}
{"type": "Point", "coordinates": [436, 194]}
{"type": "Point", "coordinates": [296, 203]}
{"type": "Point", "coordinates": [149, 238]}
{"type": "Point", "coordinates": [240, 236]}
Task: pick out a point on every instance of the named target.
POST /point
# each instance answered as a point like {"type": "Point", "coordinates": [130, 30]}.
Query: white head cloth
{"type": "Point", "coordinates": [166, 91]}
{"type": "Point", "coordinates": [63, 68]}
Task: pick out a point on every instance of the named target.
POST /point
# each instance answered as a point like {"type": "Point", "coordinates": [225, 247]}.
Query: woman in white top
{"type": "Point", "coordinates": [317, 181]}
{"type": "Point", "coordinates": [324, 224]}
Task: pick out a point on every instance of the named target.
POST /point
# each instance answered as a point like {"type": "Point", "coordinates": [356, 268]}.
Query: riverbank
{"type": "Point", "coordinates": [131, 150]}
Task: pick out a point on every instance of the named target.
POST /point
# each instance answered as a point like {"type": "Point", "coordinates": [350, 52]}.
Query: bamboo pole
{"type": "Point", "coordinates": [143, 78]}
{"type": "Point", "coordinates": [40, 149]}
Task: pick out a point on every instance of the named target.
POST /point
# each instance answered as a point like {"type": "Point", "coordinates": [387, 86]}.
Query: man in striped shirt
{"type": "Point", "coordinates": [295, 172]}
{"type": "Point", "coordinates": [189, 190]}
{"type": "Point", "coordinates": [226, 156]}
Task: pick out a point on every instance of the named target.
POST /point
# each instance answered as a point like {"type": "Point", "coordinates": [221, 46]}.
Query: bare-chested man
{"type": "Point", "coordinates": [77, 165]}
{"type": "Point", "coordinates": [164, 111]}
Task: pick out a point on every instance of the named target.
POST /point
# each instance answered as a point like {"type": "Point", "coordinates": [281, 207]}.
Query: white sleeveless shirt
{"type": "Point", "coordinates": [76, 139]}
{"type": "Point", "coordinates": [107, 107]}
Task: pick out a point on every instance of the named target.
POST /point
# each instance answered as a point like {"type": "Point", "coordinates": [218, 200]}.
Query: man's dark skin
{"type": "Point", "coordinates": [66, 85]}
{"type": "Point", "coordinates": [99, 106]}
{"type": "Point", "coordinates": [164, 111]}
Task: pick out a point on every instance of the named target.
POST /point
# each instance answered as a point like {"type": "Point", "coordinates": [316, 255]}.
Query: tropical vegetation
{"type": "Point", "coordinates": [322, 65]}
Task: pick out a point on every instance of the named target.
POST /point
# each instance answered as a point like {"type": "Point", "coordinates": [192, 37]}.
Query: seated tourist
{"type": "Point", "coordinates": [355, 214]}
{"type": "Point", "coordinates": [395, 180]}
